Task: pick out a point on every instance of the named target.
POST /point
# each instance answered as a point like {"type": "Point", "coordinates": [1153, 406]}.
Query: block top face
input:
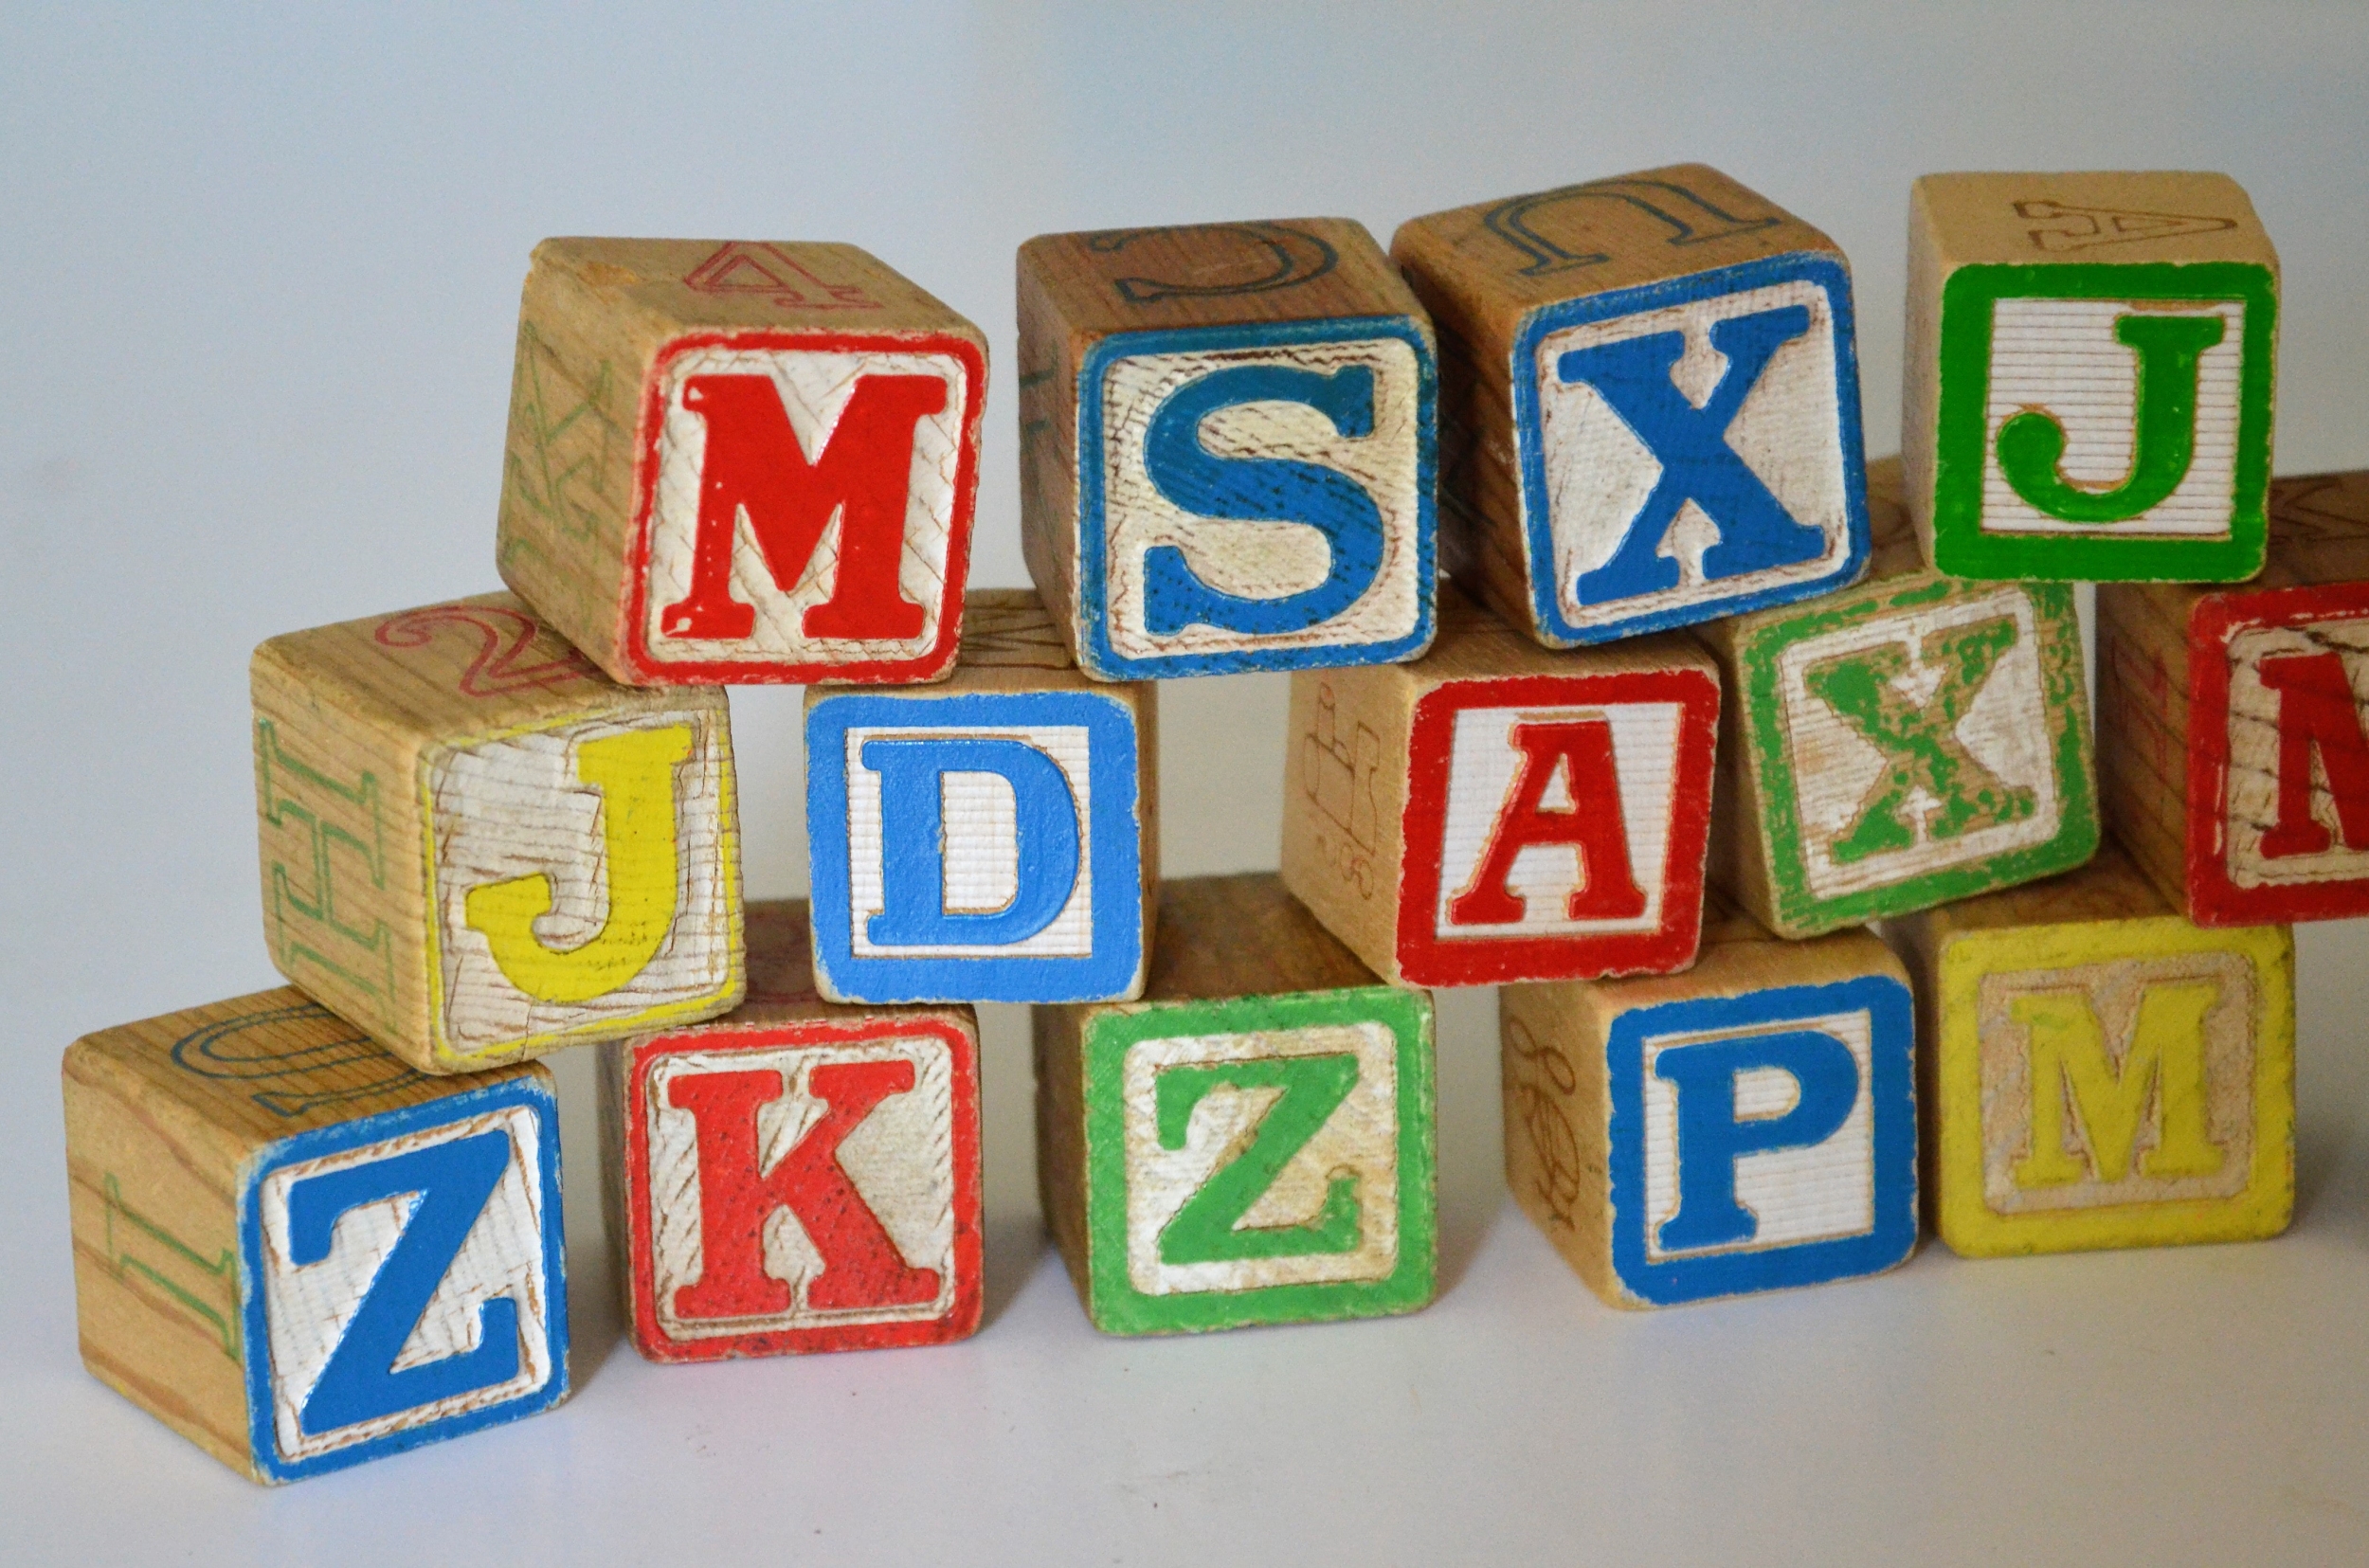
{"type": "Point", "coordinates": [2109, 888]}
{"type": "Point", "coordinates": [2111, 217]}
{"type": "Point", "coordinates": [2319, 532]}
{"type": "Point", "coordinates": [1191, 275]}
{"type": "Point", "coordinates": [267, 1066]}
{"type": "Point", "coordinates": [461, 667]}
{"type": "Point", "coordinates": [727, 284]}
{"type": "Point", "coordinates": [406, 1271]}
{"type": "Point", "coordinates": [1243, 936]}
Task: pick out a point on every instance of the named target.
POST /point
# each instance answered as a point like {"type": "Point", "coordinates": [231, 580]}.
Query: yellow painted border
{"type": "Point", "coordinates": [691, 1010]}
{"type": "Point", "coordinates": [2264, 1208]}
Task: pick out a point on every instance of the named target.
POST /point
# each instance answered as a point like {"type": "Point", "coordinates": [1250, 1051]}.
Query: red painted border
{"type": "Point", "coordinates": [939, 658]}
{"type": "Point", "coordinates": [2214, 899]}
{"type": "Point", "coordinates": [961, 1318]}
{"type": "Point", "coordinates": [1425, 960]}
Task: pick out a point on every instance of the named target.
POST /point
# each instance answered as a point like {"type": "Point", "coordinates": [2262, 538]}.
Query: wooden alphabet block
{"type": "Point", "coordinates": [2088, 376]}
{"type": "Point", "coordinates": [686, 420]}
{"type": "Point", "coordinates": [794, 1175]}
{"type": "Point", "coordinates": [2100, 1071]}
{"type": "Point", "coordinates": [2233, 723]}
{"type": "Point", "coordinates": [1496, 812]}
{"type": "Point", "coordinates": [994, 837]}
{"type": "Point", "coordinates": [1650, 403]}
{"type": "Point", "coordinates": [1913, 739]}
{"type": "Point", "coordinates": [477, 848]}
{"type": "Point", "coordinates": [299, 1253]}
{"type": "Point", "coordinates": [1227, 443]}
{"type": "Point", "coordinates": [1252, 1141]}
{"type": "Point", "coordinates": [1747, 1126]}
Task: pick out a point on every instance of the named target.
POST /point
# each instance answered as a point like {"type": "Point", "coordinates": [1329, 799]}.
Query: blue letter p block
{"type": "Point", "coordinates": [978, 846]}
{"type": "Point", "coordinates": [1762, 1141]}
{"type": "Point", "coordinates": [406, 1278]}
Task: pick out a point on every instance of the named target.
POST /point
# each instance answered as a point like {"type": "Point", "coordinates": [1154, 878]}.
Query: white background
{"type": "Point", "coordinates": [259, 277]}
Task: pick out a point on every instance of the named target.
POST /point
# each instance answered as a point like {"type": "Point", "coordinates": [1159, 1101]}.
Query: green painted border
{"type": "Point", "coordinates": [1960, 446]}
{"type": "Point", "coordinates": [1113, 1303]}
{"type": "Point", "coordinates": [2061, 693]}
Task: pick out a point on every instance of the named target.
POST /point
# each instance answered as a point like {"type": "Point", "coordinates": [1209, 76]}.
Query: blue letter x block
{"type": "Point", "coordinates": [1690, 448]}
{"type": "Point", "coordinates": [1762, 1141]}
{"type": "Point", "coordinates": [975, 846]}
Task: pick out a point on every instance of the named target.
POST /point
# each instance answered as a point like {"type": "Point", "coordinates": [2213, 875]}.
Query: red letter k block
{"type": "Point", "coordinates": [754, 465]}
{"type": "Point", "coordinates": [861, 1264]}
{"type": "Point", "coordinates": [1582, 751]}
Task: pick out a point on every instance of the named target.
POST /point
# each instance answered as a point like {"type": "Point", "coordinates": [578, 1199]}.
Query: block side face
{"type": "Point", "coordinates": [583, 881]}
{"type": "Point", "coordinates": [1556, 826]}
{"type": "Point", "coordinates": [1048, 450]}
{"type": "Point", "coordinates": [567, 465]}
{"type": "Point", "coordinates": [1207, 1211]}
{"type": "Point", "coordinates": [1965, 695]}
{"type": "Point", "coordinates": [1038, 894]}
{"type": "Point", "coordinates": [1551, 1058]}
{"type": "Point", "coordinates": [156, 1262]}
{"type": "Point", "coordinates": [761, 1163]}
{"type": "Point", "coordinates": [2115, 1084]}
{"type": "Point", "coordinates": [1806, 1096]}
{"type": "Point", "coordinates": [2057, 458]}
{"type": "Point", "coordinates": [2278, 806]}
{"type": "Point", "coordinates": [1201, 553]}
{"type": "Point", "coordinates": [1344, 793]}
{"type": "Point", "coordinates": [750, 441]}
{"type": "Point", "coordinates": [405, 1278]}
{"type": "Point", "coordinates": [1616, 460]}
{"type": "Point", "coordinates": [2146, 713]}
{"type": "Point", "coordinates": [339, 834]}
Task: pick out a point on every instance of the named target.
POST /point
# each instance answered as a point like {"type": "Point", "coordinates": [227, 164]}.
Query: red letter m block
{"type": "Point", "coordinates": [805, 507]}
{"type": "Point", "coordinates": [1555, 827]}
{"type": "Point", "coordinates": [803, 1187]}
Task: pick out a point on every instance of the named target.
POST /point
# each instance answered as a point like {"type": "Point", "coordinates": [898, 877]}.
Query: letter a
{"type": "Point", "coordinates": [1593, 825]}
{"type": "Point", "coordinates": [2317, 712]}
{"type": "Point", "coordinates": [635, 774]}
{"type": "Point", "coordinates": [754, 466]}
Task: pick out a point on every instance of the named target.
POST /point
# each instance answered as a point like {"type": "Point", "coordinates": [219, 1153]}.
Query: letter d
{"type": "Point", "coordinates": [913, 841]}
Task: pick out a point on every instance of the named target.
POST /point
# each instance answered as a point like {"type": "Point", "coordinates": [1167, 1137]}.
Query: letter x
{"type": "Point", "coordinates": [1922, 752]}
{"type": "Point", "coordinates": [1755, 529]}
{"type": "Point", "coordinates": [861, 1264]}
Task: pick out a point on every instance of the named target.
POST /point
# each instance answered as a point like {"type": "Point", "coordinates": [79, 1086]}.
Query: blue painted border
{"type": "Point", "coordinates": [1115, 824]}
{"type": "Point", "coordinates": [1894, 1106]}
{"type": "Point", "coordinates": [1537, 522]}
{"type": "Point", "coordinates": [529, 1092]}
{"type": "Point", "coordinates": [1093, 587]}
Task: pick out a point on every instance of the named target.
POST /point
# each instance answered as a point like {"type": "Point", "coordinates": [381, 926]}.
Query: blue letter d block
{"type": "Point", "coordinates": [898, 875]}
{"type": "Point", "coordinates": [1762, 1141]}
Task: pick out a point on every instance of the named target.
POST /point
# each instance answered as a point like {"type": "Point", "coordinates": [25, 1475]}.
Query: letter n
{"type": "Point", "coordinates": [754, 467]}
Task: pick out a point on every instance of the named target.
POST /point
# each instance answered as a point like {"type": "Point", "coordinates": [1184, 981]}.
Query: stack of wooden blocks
{"type": "Point", "coordinates": [1710, 695]}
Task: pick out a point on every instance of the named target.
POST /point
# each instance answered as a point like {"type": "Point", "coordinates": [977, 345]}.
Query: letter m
{"type": "Point", "coordinates": [331, 835]}
{"type": "Point", "coordinates": [2154, 1083]}
{"type": "Point", "coordinates": [2317, 715]}
{"type": "Point", "coordinates": [754, 468]}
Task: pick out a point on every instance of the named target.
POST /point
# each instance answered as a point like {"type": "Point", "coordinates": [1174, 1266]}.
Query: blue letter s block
{"type": "Point", "coordinates": [1308, 447]}
{"type": "Point", "coordinates": [406, 1278]}
{"type": "Point", "coordinates": [1762, 1141]}
{"type": "Point", "coordinates": [975, 846]}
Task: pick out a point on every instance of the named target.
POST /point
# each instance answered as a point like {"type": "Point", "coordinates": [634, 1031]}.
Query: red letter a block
{"type": "Point", "coordinates": [741, 463]}
{"type": "Point", "coordinates": [1495, 812]}
{"type": "Point", "coordinates": [798, 1176]}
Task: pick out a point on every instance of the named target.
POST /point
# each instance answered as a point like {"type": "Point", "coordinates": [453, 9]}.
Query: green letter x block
{"type": "Point", "coordinates": [2090, 363]}
{"type": "Point", "coordinates": [1912, 740]}
{"type": "Point", "coordinates": [1253, 1141]}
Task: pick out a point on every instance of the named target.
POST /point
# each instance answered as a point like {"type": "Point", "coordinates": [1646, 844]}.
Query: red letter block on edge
{"type": "Point", "coordinates": [1496, 812]}
{"type": "Point", "coordinates": [797, 1175]}
{"type": "Point", "coordinates": [741, 463]}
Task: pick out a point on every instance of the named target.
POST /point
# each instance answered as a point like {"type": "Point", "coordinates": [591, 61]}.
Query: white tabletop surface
{"type": "Point", "coordinates": [257, 283]}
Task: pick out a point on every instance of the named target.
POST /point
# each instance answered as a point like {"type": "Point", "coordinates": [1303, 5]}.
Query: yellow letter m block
{"type": "Point", "coordinates": [2107, 1074]}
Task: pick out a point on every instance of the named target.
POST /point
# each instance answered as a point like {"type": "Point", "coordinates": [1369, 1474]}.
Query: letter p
{"type": "Point", "coordinates": [1712, 1137]}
